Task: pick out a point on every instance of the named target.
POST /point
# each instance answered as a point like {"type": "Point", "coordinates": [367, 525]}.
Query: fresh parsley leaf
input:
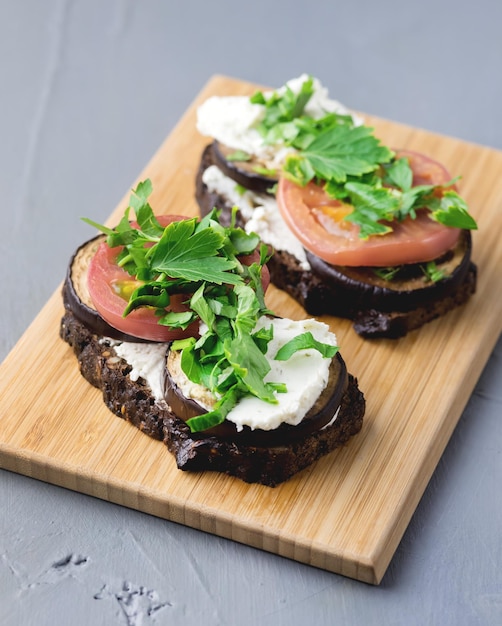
{"type": "Point", "coordinates": [333, 150]}
{"type": "Point", "coordinates": [298, 169]}
{"type": "Point", "coordinates": [174, 319]}
{"type": "Point", "coordinates": [399, 173]}
{"type": "Point", "coordinates": [201, 306]}
{"type": "Point", "coordinates": [201, 259]}
{"type": "Point", "coordinates": [154, 294]}
{"type": "Point", "coordinates": [240, 189]}
{"type": "Point", "coordinates": [258, 98]}
{"type": "Point", "coordinates": [346, 151]}
{"type": "Point", "coordinates": [371, 205]}
{"type": "Point", "coordinates": [243, 243]}
{"type": "Point", "coordinates": [142, 191]}
{"type": "Point", "coordinates": [285, 121]}
{"type": "Point", "coordinates": [305, 341]}
{"type": "Point", "coordinates": [453, 211]}
{"type": "Point", "coordinates": [248, 309]}
{"type": "Point", "coordinates": [263, 337]}
{"type": "Point", "coordinates": [250, 365]}
{"type": "Point", "coordinates": [100, 227]}
{"type": "Point", "coordinates": [217, 415]}
{"type": "Point", "coordinates": [183, 253]}
{"type": "Point", "coordinates": [338, 154]}
{"type": "Point", "coordinates": [282, 108]}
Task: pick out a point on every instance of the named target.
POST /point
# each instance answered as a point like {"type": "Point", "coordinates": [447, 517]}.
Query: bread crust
{"type": "Point", "coordinates": [319, 297]}
{"type": "Point", "coordinates": [134, 402]}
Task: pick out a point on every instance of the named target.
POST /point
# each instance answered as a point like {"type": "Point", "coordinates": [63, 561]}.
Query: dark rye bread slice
{"type": "Point", "coordinates": [319, 296]}
{"type": "Point", "coordinates": [133, 401]}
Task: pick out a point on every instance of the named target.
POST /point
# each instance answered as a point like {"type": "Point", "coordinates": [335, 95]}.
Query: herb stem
{"type": "Point", "coordinates": [125, 260]}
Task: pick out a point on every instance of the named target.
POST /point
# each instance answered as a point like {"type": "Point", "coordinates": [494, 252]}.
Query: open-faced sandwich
{"type": "Point", "coordinates": [376, 235]}
{"type": "Point", "coordinates": [167, 316]}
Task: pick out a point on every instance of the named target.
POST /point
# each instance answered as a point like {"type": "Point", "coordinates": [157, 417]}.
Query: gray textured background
{"type": "Point", "coordinates": [88, 91]}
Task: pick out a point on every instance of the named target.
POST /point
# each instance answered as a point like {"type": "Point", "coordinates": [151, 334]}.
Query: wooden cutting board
{"type": "Point", "coordinates": [346, 513]}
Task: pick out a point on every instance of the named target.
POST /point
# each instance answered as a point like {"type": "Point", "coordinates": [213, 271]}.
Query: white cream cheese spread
{"type": "Point", "coordinates": [260, 212]}
{"type": "Point", "coordinates": [305, 374]}
{"type": "Point", "coordinates": [232, 120]}
{"type": "Point", "coordinates": [147, 362]}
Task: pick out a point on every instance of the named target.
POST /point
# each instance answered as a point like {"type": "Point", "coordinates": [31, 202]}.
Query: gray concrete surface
{"type": "Point", "coordinates": [88, 91]}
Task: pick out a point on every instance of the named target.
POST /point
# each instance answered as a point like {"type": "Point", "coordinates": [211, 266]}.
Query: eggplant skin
{"type": "Point", "coordinates": [242, 172]}
{"type": "Point", "coordinates": [372, 314]}
{"type": "Point", "coordinates": [319, 415]}
{"type": "Point", "coordinates": [77, 300]}
{"type": "Point", "coordinates": [365, 290]}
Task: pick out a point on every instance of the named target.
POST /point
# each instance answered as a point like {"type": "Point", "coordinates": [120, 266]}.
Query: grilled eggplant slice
{"type": "Point", "coordinates": [250, 173]}
{"type": "Point", "coordinates": [322, 412]}
{"type": "Point", "coordinates": [76, 297]}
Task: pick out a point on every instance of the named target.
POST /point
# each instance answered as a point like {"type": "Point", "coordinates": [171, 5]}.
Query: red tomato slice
{"type": "Point", "coordinates": [110, 287]}
{"type": "Point", "coordinates": [317, 221]}
{"type": "Point", "coordinates": [106, 279]}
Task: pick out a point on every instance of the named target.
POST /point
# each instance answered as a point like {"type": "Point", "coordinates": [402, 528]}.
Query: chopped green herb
{"type": "Point", "coordinates": [264, 171]}
{"type": "Point", "coordinates": [452, 210]}
{"type": "Point", "coordinates": [285, 120]}
{"type": "Point", "coordinates": [432, 272]}
{"type": "Point", "coordinates": [201, 260]}
{"type": "Point", "coordinates": [353, 165]}
{"type": "Point", "coordinates": [386, 273]}
{"type": "Point", "coordinates": [340, 152]}
{"type": "Point", "coordinates": [238, 155]}
{"type": "Point", "coordinates": [240, 189]}
{"type": "Point", "coordinates": [305, 341]}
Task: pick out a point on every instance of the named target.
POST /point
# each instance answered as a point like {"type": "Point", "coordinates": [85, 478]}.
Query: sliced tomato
{"type": "Point", "coordinates": [110, 287]}
{"type": "Point", "coordinates": [317, 221]}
